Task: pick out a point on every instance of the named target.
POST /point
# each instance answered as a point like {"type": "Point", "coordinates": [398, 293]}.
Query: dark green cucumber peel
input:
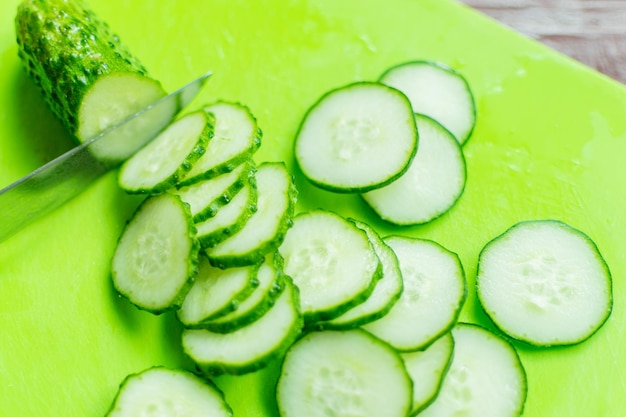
{"type": "Point", "coordinates": [66, 49]}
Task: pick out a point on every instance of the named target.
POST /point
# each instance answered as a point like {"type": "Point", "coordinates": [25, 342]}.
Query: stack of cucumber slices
{"type": "Point", "coordinates": [361, 324]}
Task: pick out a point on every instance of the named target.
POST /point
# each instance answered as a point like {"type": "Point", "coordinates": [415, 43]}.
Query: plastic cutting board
{"type": "Point", "coordinates": [550, 142]}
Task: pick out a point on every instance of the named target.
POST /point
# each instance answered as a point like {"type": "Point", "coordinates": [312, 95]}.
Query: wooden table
{"type": "Point", "coordinates": [590, 31]}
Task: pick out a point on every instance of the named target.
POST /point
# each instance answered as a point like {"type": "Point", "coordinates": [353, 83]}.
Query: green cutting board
{"type": "Point", "coordinates": [550, 142]}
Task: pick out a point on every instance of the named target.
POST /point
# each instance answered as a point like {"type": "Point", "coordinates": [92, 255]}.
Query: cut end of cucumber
{"type": "Point", "coordinates": [545, 283]}
{"type": "Point", "coordinates": [113, 98]}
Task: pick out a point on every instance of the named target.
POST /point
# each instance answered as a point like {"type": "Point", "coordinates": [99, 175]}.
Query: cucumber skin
{"type": "Point", "coordinates": [65, 49]}
{"type": "Point", "coordinates": [192, 267]}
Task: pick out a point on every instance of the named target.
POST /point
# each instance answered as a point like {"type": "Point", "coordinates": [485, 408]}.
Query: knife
{"type": "Point", "coordinates": [58, 181]}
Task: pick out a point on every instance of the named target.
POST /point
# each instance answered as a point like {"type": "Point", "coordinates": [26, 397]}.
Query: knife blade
{"type": "Point", "coordinates": [58, 181]}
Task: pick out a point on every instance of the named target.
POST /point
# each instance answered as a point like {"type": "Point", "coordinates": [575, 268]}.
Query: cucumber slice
{"type": "Point", "coordinates": [427, 369]}
{"type": "Point", "coordinates": [252, 347]}
{"type": "Point", "coordinates": [230, 218]}
{"type": "Point", "coordinates": [357, 138]}
{"type": "Point", "coordinates": [156, 257]}
{"type": "Point", "coordinates": [385, 294]}
{"type": "Point", "coordinates": [438, 91]}
{"type": "Point", "coordinates": [206, 197]}
{"type": "Point", "coordinates": [270, 284]}
{"type": "Point", "coordinates": [431, 186]}
{"type": "Point", "coordinates": [545, 283]}
{"type": "Point", "coordinates": [216, 292]}
{"type": "Point", "coordinates": [158, 165]}
{"type": "Point", "coordinates": [486, 377]}
{"type": "Point", "coordinates": [331, 261]}
{"type": "Point", "coordinates": [343, 373]}
{"type": "Point", "coordinates": [237, 138]}
{"type": "Point", "coordinates": [434, 292]}
{"type": "Point", "coordinates": [161, 391]}
{"type": "Point", "coordinates": [265, 229]}
{"type": "Point", "coordinates": [88, 78]}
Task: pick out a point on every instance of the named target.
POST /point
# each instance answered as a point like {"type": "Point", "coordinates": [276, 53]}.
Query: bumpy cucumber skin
{"type": "Point", "coordinates": [192, 266]}
{"type": "Point", "coordinates": [527, 341]}
{"type": "Point", "coordinates": [234, 162]}
{"type": "Point", "coordinates": [257, 255]}
{"type": "Point", "coordinates": [66, 48]}
{"type": "Point", "coordinates": [131, 376]}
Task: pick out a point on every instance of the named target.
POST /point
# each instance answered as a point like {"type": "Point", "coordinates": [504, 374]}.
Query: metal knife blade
{"type": "Point", "coordinates": [63, 178]}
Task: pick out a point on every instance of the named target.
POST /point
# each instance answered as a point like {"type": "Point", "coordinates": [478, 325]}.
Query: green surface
{"type": "Point", "coordinates": [549, 143]}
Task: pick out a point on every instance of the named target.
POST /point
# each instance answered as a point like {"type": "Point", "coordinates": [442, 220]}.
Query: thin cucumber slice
{"type": "Point", "coordinates": [270, 284]}
{"type": "Point", "coordinates": [427, 368]}
{"type": "Point", "coordinates": [251, 347]}
{"type": "Point", "coordinates": [387, 291]}
{"type": "Point", "coordinates": [265, 229]}
{"type": "Point", "coordinates": [158, 166]}
{"type": "Point", "coordinates": [331, 261]}
{"type": "Point", "coordinates": [343, 373]}
{"type": "Point", "coordinates": [161, 391]}
{"type": "Point", "coordinates": [486, 377]}
{"type": "Point", "coordinates": [156, 257]}
{"type": "Point", "coordinates": [237, 138]}
{"type": "Point", "coordinates": [545, 283]}
{"type": "Point", "coordinates": [434, 292]}
{"type": "Point", "coordinates": [357, 138]}
{"type": "Point", "coordinates": [438, 91]}
{"type": "Point", "coordinates": [230, 218]}
{"type": "Point", "coordinates": [216, 292]}
{"type": "Point", "coordinates": [206, 197]}
{"type": "Point", "coordinates": [431, 186]}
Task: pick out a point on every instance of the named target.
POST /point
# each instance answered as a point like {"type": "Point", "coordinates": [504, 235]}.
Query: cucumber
{"type": "Point", "coordinates": [251, 347]}
{"type": "Point", "coordinates": [87, 76]}
{"type": "Point", "coordinates": [237, 138]}
{"type": "Point", "coordinates": [331, 261]}
{"type": "Point", "coordinates": [386, 293]}
{"type": "Point", "coordinates": [158, 165]}
{"type": "Point", "coordinates": [270, 284]}
{"type": "Point", "coordinates": [545, 283]}
{"type": "Point", "coordinates": [434, 292]}
{"type": "Point", "coordinates": [206, 197]}
{"type": "Point", "coordinates": [427, 369]}
{"type": "Point", "coordinates": [357, 138]}
{"type": "Point", "coordinates": [265, 229]}
{"type": "Point", "coordinates": [230, 218]}
{"type": "Point", "coordinates": [431, 186]}
{"type": "Point", "coordinates": [161, 391]}
{"type": "Point", "coordinates": [343, 373]}
{"type": "Point", "coordinates": [216, 292]}
{"type": "Point", "coordinates": [486, 377]}
{"type": "Point", "coordinates": [438, 91]}
{"type": "Point", "coordinates": [156, 257]}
